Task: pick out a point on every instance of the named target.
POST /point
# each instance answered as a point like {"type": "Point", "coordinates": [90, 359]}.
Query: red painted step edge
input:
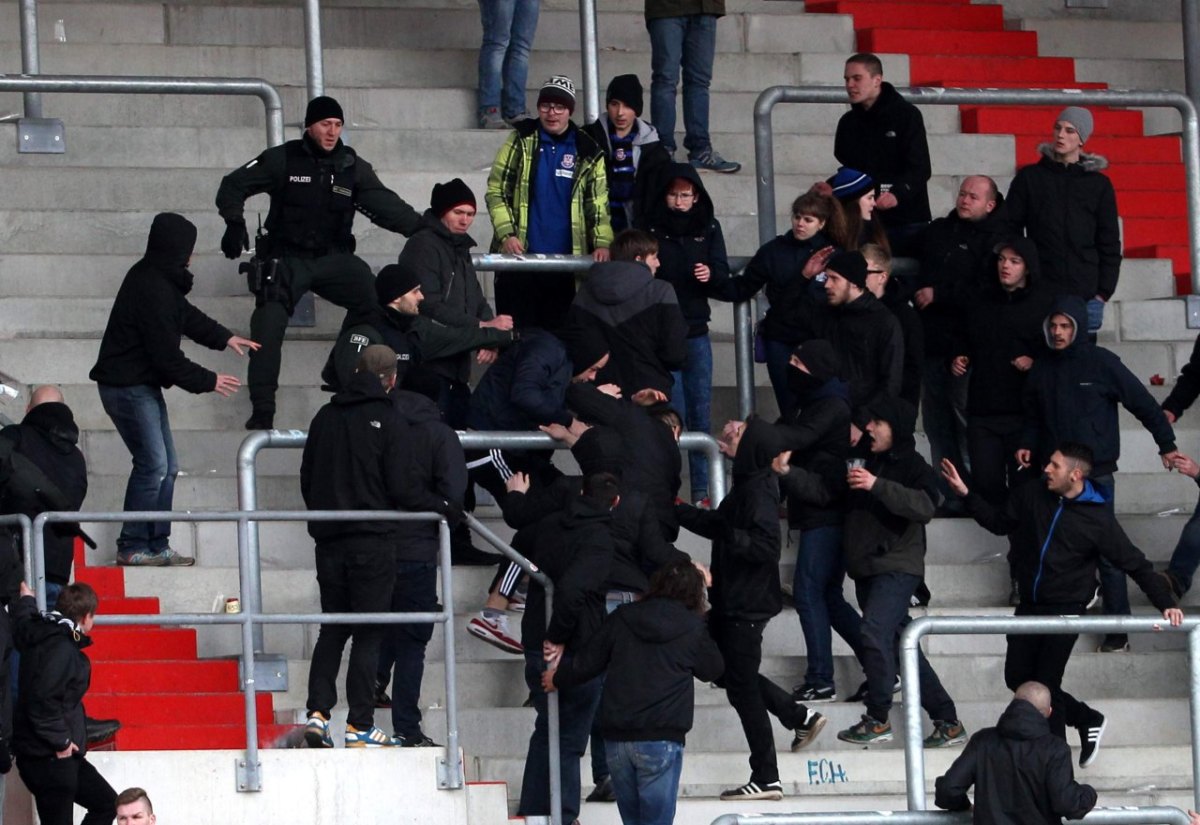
{"type": "Point", "coordinates": [903, 15]}
{"type": "Point", "coordinates": [123, 643]}
{"type": "Point", "coordinates": [172, 708]}
{"type": "Point", "coordinates": [1038, 120]}
{"type": "Point", "coordinates": [945, 42]}
{"type": "Point", "coordinates": [924, 69]}
{"type": "Point", "coordinates": [197, 737]}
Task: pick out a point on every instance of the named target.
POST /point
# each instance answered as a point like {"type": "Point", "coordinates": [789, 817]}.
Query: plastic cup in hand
{"type": "Point", "coordinates": [855, 464]}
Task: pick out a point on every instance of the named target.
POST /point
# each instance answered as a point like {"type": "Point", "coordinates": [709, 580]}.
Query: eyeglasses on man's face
{"type": "Point", "coordinates": [552, 108]}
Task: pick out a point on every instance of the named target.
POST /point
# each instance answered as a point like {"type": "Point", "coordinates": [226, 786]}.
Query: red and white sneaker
{"type": "Point", "coordinates": [495, 632]}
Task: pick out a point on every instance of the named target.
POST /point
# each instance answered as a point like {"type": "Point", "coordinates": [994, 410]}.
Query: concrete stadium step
{"type": "Point", "coordinates": [1082, 38]}
{"type": "Point", "coordinates": [107, 23]}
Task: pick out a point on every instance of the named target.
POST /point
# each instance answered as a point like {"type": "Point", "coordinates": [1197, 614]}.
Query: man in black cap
{"type": "Point", "coordinates": [865, 334]}
{"type": "Point", "coordinates": [139, 357]}
{"type": "Point", "coordinates": [633, 153]}
{"type": "Point", "coordinates": [316, 184]}
{"type": "Point", "coordinates": [547, 193]}
{"type": "Point", "coordinates": [396, 321]}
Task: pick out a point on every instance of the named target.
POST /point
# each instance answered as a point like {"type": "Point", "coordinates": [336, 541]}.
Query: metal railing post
{"type": "Point", "coordinates": [1191, 49]}
{"type": "Point", "coordinates": [1151, 815]}
{"type": "Point", "coordinates": [30, 59]}
{"type": "Point", "coordinates": [452, 768]}
{"type": "Point", "coordinates": [1194, 695]}
{"type": "Point", "coordinates": [314, 61]}
{"type": "Point", "coordinates": [249, 558]}
{"type": "Point", "coordinates": [591, 62]}
{"type": "Point", "coordinates": [118, 84]}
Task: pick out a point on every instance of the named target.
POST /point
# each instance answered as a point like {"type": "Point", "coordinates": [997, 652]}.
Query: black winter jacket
{"type": "Point", "coordinates": [151, 315]}
{"type": "Point", "coordinates": [868, 338]}
{"type": "Point", "coordinates": [1021, 772]}
{"type": "Point", "coordinates": [45, 447]}
{"type": "Point", "coordinates": [888, 142]}
{"type": "Point", "coordinates": [1187, 386]}
{"type": "Point", "coordinates": [650, 159]}
{"type": "Point", "coordinates": [795, 301]}
{"type": "Point", "coordinates": [574, 547]}
{"type": "Point", "coordinates": [453, 297]}
{"type": "Point", "coordinates": [359, 456]}
{"type": "Point", "coordinates": [1070, 212]}
{"type": "Point", "coordinates": [525, 388]}
{"type": "Point", "coordinates": [958, 259]}
{"type": "Point", "coordinates": [638, 315]}
{"type": "Point", "coordinates": [54, 675]}
{"type": "Point", "coordinates": [684, 240]}
{"type": "Point", "coordinates": [653, 652]}
{"type": "Point", "coordinates": [819, 438]}
{"type": "Point", "coordinates": [885, 526]}
{"type": "Point", "coordinates": [744, 530]}
{"type": "Point", "coordinates": [1056, 542]}
{"type": "Point", "coordinates": [1072, 395]}
{"type": "Point", "coordinates": [912, 333]}
{"type": "Point", "coordinates": [438, 466]}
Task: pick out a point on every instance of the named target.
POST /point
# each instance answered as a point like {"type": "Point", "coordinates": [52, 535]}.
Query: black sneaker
{"type": "Point", "coordinates": [754, 790]}
{"type": "Point", "coordinates": [382, 700]}
{"type": "Point", "coordinates": [1014, 595]}
{"type": "Point", "coordinates": [261, 420]}
{"type": "Point", "coordinates": [415, 740]}
{"type": "Point", "coordinates": [603, 792]}
{"type": "Point", "coordinates": [1114, 643]}
{"type": "Point", "coordinates": [100, 730]}
{"type": "Point", "coordinates": [810, 694]}
{"type": "Point", "coordinates": [808, 730]}
{"type": "Point", "coordinates": [1089, 738]}
{"type": "Point", "coordinates": [860, 695]}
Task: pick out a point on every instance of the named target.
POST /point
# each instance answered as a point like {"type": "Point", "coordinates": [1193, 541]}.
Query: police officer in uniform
{"type": "Point", "coordinates": [316, 184]}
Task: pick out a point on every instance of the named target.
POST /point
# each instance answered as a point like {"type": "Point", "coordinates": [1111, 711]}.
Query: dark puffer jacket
{"type": "Point", "coordinates": [885, 526]}
{"type": "Point", "coordinates": [887, 141]}
{"type": "Point", "coordinates": [653, 651]}
{"type": "Point", "coordinates": [526, 387]}
{"type": "Point", "coordinates": [151, 314]}
{"type": "Point", "coordinates": [1070, 212]}
{"type": "Point", "coordinates": [55, 674]}
{"type": "Point", "coordinates": [1072, 395]}
{"type": "Point", "coordinates": [639, 317]}
{"type": "Point", "coordinates": [744, 530]}
{"type": "Point", "coordinates": [1021, 772]}
{"type": "Point", "coordinates": [796, 302]}
{"type": "Point", "coordinates": [684, 240]}
{"type": "Point", "coordinates": [870, 342]}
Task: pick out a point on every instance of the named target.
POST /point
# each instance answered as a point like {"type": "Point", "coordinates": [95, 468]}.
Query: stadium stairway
{"type": "Point", "coordinates": [71, 225]}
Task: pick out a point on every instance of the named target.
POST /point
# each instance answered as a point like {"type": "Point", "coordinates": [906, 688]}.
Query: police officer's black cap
{"type": "Point", "coordinates": [395, 280]}
{"type": "Point", "coordinates": [320, 108]}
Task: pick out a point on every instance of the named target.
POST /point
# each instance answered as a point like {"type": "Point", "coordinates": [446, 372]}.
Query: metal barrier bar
{"type": "Point", "coordinates": [1156, 815]}
{"type": "Point", "coordinates": [118, 84]}
{"type": "Point", "coordinates": [30, 60]}
{"type": "Point", "coordinates": [1190, 14]}
{"type": "Point", "coordinates": [314, 60]}
{"type": "Point", "coordinates": [248, 769]}
{"type": "Point", "coordinates": [591, 61]}
{"type": "Point", "coordinates": [764, 151]}
{"type": "Point", "coordinates": [910, 639]}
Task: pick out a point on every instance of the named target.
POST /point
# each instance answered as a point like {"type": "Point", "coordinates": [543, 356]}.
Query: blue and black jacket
{"type": "Point", "coordinates": [1056, 543]}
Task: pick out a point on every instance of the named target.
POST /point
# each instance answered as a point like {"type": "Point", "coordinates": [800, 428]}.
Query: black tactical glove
{"type": "Point", "coordinates": [236, 239]}
{"type": "Point", "coordinates": [454, 513]}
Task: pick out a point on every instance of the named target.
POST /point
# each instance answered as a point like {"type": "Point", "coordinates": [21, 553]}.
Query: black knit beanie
{"type": "Point", "coordinates": [627, 89]}
{"type": "Point", "coordinates": [320, 108]}
{"type": "Point", "coordinates": [395, 280]}
{"type": "Point", "coordinates": [448, 195]}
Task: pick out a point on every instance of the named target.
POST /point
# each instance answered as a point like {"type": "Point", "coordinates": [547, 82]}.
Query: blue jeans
{"type": "Point", "coordinates": [944, 415]}
{"type": "Point", "coordinates": [576, 707]}
{"type": "Point", "coordinates": [688, 43]}
{"type": "Point", "coordinates": [508, 30]}
{"type": "Point", "coordinates": [691, 395]}
{"type": "Point", "coordinates": [1186, 557]}
{"type": "Point", "coordinates": [140, 415]}
{"type": "Point", "coordinates": [1095, 316]}
{"type": "Point", "coordinates": [1114, 585]}
{"type": "Point", "coordinates": [645, 778]}
{"type": "Point", "coordinates": [884, 600]}
{"type": "Point", "coordinates": [779, 355]}
{"type": "Point", "coordinates": [817, 590]}
{"type": "Point", "coordinates": [403, 648]}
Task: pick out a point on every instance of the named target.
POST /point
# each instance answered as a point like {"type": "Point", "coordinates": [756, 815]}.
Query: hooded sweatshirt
{"type": "Point", "coordinates": [638, 315]}
{"type": "Point", "coordinates": [151, 314]}
{"type": "Point", "coordinates": [885, 526]}
{"type": "Point", "coordinates": [998, 328]}
{"type": "Point", "coordinates": [744, 530]}
{"type": "Point", "coordinates": [55, 674]}
{"type": "Point", "coordinates": [1070, 212]}
{"type": "Point", "coordinates": [653, 651]}
{"type": "Point", "coordinates": [649, 160]}
{"type": "Point", "coordinates": [1072, 395]}
{"type": "Point", "coordinates": [684, 240]}
{"type": "Point", "coordinates": [1021, 772]}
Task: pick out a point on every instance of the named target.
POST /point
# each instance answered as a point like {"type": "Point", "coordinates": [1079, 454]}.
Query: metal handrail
{"type": "Point", "coordinates": [249, 769]}
{"type": "Point", "coordinates": [910, 682]}
{"type": "Point", "coordinates": [1154, 815]}
{"type": "Point", "coordinates": [119, 84]}
{"type": "Point", "coordinates": [764, 162]}
{"type": "Point", "coordinates": [539, 262]}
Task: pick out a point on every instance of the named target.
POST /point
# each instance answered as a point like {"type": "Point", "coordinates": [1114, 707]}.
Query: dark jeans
{"type": "Point", "coordinates": [820, 604]}
{"type": "Point", "coordinates": [992, 442]}
{"type": "Point", "coordinates": [645, 777]}
{"type": "Point", "coordinates": [944, 416]}
{"type": "Point", "coordinates": [140, 415]}
{"type": "Point", "coordinates": [753, 695]}
{"type": "Point", "coordinates": [1114, 584]}
{"type": "Point", "coordinates": [691, 395]}
{"type": "Point", "coordinates": [686, 43]}
{"type": "Point", "coordinates": [1186, 556]}
{"type": "Point", "coordinates": [342, 279]}
{"type": "Point", "coordinates": [403, 647]}
{"type": "Point", "coordinates": [1044, 659]}
{"type": "Point", "coordinates": [355, 576]}
{"type": "Point", "coordinates": [778, 356]}
{"type": "Point", "coordinates": [58, 785]}
{"type": "Point", "coordinates": [884, 601]}
{"type": "Point", "coordinates": [576, 707]}
{"type": "Point", "coordinates": [535, 299]}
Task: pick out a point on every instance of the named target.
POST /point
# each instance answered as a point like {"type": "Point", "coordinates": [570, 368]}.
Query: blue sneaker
{"type": "Point", "coordinates": [710, 161]}
{"type": "Point", "coordinates": [316, 731]}
{"type": "Point", "coordinates": [372, 737]}
{"type": "Point", "coordinates": [171, 558]}
{"type": "Point", "coordinates": [140, 558]}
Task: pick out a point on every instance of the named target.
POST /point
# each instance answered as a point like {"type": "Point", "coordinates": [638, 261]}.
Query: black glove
{"type": "Point", "coordinates": [454, 513]}
{"type": "Point", "coordinates": [235, 240]}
